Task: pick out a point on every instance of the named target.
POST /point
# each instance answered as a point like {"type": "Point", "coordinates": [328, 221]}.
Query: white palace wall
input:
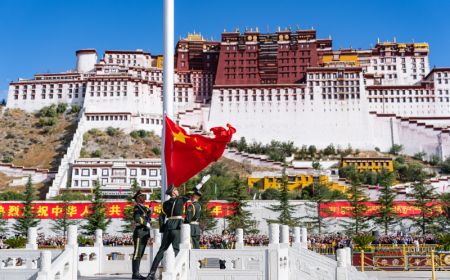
{"type": "Point", "coordinates": [303, 118]}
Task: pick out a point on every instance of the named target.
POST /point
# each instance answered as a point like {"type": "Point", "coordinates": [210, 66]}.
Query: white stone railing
{"type": "Point", "coordinates": [100, 259]}
{"type": "Point", "coordinates": [177, 268]}
{"type": "Point", "coordinates": [279, 260]}
{"type": "Point", "coordinates": [65, 266]}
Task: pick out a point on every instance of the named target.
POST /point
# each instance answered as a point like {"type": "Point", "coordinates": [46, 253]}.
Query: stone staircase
{"type": "Point", "coordinates": [193, 119]}
{"type": "Point", "coordinates": [72, 153]}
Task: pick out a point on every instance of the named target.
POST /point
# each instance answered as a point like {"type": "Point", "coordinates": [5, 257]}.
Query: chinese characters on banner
{"type": "Point", "coordinates": [342, 209]}
{"type": "Point", "coordinates": [79, 210]}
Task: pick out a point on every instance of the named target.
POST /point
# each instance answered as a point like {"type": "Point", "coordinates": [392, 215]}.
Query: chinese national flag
{"type": "Point", "coordinates": [186, 155]}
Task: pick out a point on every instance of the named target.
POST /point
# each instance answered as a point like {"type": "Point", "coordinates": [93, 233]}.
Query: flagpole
{"type": "Point", "coordinates": [168, 83]}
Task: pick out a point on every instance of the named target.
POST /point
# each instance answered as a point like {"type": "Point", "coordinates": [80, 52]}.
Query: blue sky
{"type": "Point", "coordinates": [42, 36]}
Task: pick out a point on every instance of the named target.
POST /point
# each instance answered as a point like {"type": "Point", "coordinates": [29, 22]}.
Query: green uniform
{"type": "Point", "coordinates": [141, 234]}
{"type": "Point", "coordinates": [170, 221]}
{"type": "Point", "coordinates": [193, 214]}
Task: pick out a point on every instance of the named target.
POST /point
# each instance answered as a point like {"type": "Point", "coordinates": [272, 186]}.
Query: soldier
{"type": "Point", "coordinates": [141, 234]}
{"type": "Point", "coordinates": [172, 209]}
{"type": "Point", "coordinates": [192, 217]}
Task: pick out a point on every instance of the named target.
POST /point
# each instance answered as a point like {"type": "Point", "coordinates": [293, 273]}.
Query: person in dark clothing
{"type": "Point", "coordinates": [170, 221]}
{"type": "Point", "coordinates": [142, 218]}
{"type": "Point", "coordinates": [192, 217]}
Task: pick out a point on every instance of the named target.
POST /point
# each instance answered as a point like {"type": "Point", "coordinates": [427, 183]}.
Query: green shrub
{"type": "Point", "coordinates": [445, 166]}
{"type": "Point", "coordinates": [111, 131]}
{"type": "Point", "coordinates": [16, 242]}
{"type": "Point", "coordinates": [7, 159]}
{"type": "Point", "coordinates": [95, 132]}
{"type": "Point", "coordinates": [85, 241]}
{"type": "Point", "coordinates": [49, 111]}
{"type": "Point", "coordinates": [97, 153]}
{"type": "Point", "coordinates": [435, 160]}
{"type": "Point", "coordinates": [83, 153]}
{"type": "Point", "coordinates": [75, 108]}
{"type": "Point", "coordinates": [270, 194]}
{"type": "Point", "coordinates": [363, 241]}
{"type": "Point", "coordinates": [61, 108]}
{"type": "Point", "coordinates": [396, 149]}
{"type": "Point", "coordinates": [156, 151]}
{"type": "Point", "coordinates": [444, 240]}
{"type": "Point", "coordinates": [11, 196]}
{"type": "Point", "coordinates": [9, 135]}
{"type": "Point", "coordinates": [140, 133]}
{"type": "Point", "coordinates": [47, 121]}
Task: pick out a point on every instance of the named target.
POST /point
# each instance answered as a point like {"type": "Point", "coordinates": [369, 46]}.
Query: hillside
{"type": "Point", "coordinates": [114, 143]}
{"type": "Point", "coordinates": [35, 140]}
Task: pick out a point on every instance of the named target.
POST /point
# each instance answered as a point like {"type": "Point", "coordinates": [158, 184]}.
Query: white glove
{"type": "Point", "coordinates": [202, 182]}
{"type": "Point", "coordinates": [148, 226]}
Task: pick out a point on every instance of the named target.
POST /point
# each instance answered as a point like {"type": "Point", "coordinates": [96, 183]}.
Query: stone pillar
{"type": "Point", "coordinates": [239, 238]}
{"type": "Point", "coordinates": [348, 254]}
{"type": "Point", "coordinates": [169, 259]}
{"type": "Point", "coordinates": [185, 237]}
{"type": "Point", "coordinates": [32, 239]}
{"type": "Point", "coordinates": [99, 245]}
{"type": "Point", "coordinates": [284, 234]}
{"type": "Point", "coordinates": [72, 244]}
{"type": "Point", "coordinates": [297, 237]}
{"type": "Point", "coordinates": [156, 243]}
{"type": "Point", "coordinates": [72, 235]}
{"type": "Point", "coordinates": [341, 269]}
{"type": "Point", "coordinates": [98, 237]}
{"type": "Point", "coordinates": [304, 238]}
{"type": "Point", "coordinates": [341, 258]}
{"type": "Point", "coordinates": [46, 262]}
{"type": "Point", "coordinates": [274, 233]}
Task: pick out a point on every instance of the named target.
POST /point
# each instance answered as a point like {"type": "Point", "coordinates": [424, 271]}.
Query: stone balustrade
{"type": "Point", "coordinates": [278, 260]}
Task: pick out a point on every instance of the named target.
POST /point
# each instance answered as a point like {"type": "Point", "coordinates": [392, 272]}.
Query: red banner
{"type": "Point", "coordinates": [79, 210]}
{"type": "Point", "coordinates": [342, 209]}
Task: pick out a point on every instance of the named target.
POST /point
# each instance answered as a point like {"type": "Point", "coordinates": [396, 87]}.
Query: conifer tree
{"type": "Point", "coordinates": [318, 195]}
{"type": "Point", "coordinates": [285, 210]}
{"type": "Point", "coordinates": [241, 218]}
{"type": "Point", "coordinates": [3, 223]}
{"type": "Point", "coordinates": [359, 222]}
{"type": "Point", "coordinates": [444, 219]}
{"type": "Point", "coordinates": [424, 196]}
{"type": "Point", "coordinates": [97, 218]}
{"type": "Point", "coordinates": [28, 218]}
{"type": "Point", "coordinates": [128, 222]}
{"type": "Point", "coordinates": [62, 223]}
{"type": "Point", "coordinates": [207, 221]}
{"type": "Point", "coordinates": [387, 217]}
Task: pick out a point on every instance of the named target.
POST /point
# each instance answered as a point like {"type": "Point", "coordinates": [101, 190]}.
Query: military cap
{"type": "Point", "coordinates": [197, 192]}
{"type": "Point", "coordinates": [138, 193]}
{"type": "Point", "coordinates": [170, 189]}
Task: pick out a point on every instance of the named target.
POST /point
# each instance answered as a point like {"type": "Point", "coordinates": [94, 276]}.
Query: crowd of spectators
{"type": "Point", "coordinates": [117, 240]}
{"type": "Point", "coordinates": [226, 240]}
{"type": "Point", "coordinates": [52, 241]}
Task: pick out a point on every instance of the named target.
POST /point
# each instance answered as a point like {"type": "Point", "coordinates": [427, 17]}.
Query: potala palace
{"type": "Point", "coordinates": [287, 85]}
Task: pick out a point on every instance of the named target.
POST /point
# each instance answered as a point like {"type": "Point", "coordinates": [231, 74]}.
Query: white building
{"type": "Point", "coordinates": [116, 175]}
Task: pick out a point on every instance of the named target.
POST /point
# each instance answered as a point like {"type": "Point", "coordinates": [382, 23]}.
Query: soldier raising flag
{"type": "Point", "coordinates": [142, 220]}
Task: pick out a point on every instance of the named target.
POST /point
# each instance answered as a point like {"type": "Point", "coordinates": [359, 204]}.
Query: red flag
{"type": "Point", "coordinates": [186, 155]}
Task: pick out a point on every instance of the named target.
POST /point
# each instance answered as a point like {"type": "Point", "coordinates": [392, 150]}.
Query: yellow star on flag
{"type": "Point", "coordinates": [180, 137]}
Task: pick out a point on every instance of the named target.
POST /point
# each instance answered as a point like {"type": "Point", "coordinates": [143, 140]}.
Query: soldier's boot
{"type": "Point", "coordinates": [135, 264]}
{"type": "Point", "coordinates": [151, 275]}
